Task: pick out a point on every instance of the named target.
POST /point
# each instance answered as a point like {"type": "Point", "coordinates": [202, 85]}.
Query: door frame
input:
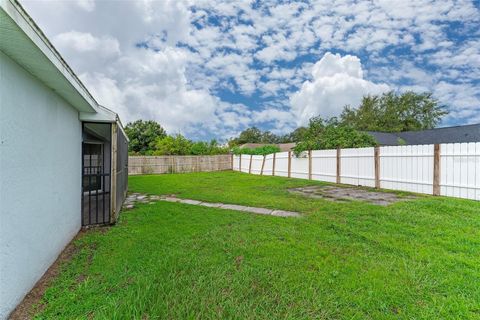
{"type": "Point", "coordinates": [93, 215]}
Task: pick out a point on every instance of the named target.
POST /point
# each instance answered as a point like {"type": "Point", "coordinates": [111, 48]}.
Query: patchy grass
{"type": "Point", "coordinates": [411, 260]}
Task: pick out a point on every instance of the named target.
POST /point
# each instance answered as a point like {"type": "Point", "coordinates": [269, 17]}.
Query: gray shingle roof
{"type": "Point", "coordinates": [385, 138]}
{"type": "Point", "coordinates": [468, 133]}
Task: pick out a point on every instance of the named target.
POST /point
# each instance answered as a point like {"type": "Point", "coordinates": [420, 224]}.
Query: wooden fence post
{"type": "Point", "coordinates": [273, 165]}
{"type": "Point", "coordinates": [173, 164]}
{"type": "Point", "coordinates": [289, 164]}
{"type": "Point", "coordinates": [309, 164]}
{"type": "Point", "coordinates": [250, 166]}
{"type": "Point", "coordinates": [232, 161]}
{"type": "Point", "coordinates": [436, 169]}
{"type": "Point", "coordinates": [263, 164]}
{"type": "Point", "coordinates": [339, 162]}
{"type": "Point", "coordinates": [240, 163]}
{"type": "Point", "coordinates": [377, 167]}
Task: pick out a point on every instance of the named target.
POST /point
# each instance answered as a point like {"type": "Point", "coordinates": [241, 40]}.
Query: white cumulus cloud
{"type": "Point", "coordinates": [215, 67]}
{"type": "Point", "coordinates": [87, 5]}
{"type": "Point", "coordinates": [337, 81]}
{"type": "Point", "coordinates": [86, 42]}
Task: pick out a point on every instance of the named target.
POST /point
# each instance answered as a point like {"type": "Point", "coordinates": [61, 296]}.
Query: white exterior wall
{"type": "Point", "coordinates": [40, 180]}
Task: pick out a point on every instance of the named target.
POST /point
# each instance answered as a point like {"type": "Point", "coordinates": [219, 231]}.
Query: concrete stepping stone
{"type": "Point", "coordinates": [282, 213]}
{"type": "Point", "coordinates": [233, 207]}
{"type": "Point", "coordinates": [132, 199]}
{"type": "Point", "coordinates": [170, 199]}
{"type": "Point", "coordinates": [189, 201]}
{"type": "Point", "coordinates": [258, 210]}
{"type": "Point", "coordinates": [211, 204]}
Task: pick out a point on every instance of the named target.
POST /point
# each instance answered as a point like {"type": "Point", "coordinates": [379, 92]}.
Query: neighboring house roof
{"type": "Point", "coordinates": [385, 138]}
{"type": "Point", "coordinates": [283, 146]}
{"type": "Point", "coordinates": [287, 146]}
{"type": "Point", "coordinates": [457, 134]}
{"type": "Point", "coordinates": [23, 41]}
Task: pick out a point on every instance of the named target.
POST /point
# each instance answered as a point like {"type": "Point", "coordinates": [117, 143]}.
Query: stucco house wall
{"type": "Point", "coordinates": [40, 180]}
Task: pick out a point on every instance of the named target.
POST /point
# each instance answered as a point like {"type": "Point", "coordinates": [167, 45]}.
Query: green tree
{"type": "Point", "coordinates": [296, 135]}
{"type": "Point", "coordinates": [143, 136]}
{"type": "Point", "coordinates": [331, 134]}
{"type": "Point", "coordinates": [215, 148]}
{"type": "Point", "coordinates": [179, 145]}
{"type": "Point", "coordinates": [200, 148]}
{"type": "Point", "coordinates": [264, 150]}
{"type": "Point", "coordinates": [173, 145]}
{"type": "Point", "coordinates": [250, 135]}
{"type": "Point", "coordinates": [207, 148]}
{"type": "Point", "coordinates": [393, 112]}
{"type": "Point", "coordinates": [254, 135]}
{"type": "Point", "coordinates": [268, 137]}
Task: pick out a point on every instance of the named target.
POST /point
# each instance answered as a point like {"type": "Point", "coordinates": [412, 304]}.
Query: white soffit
{"type": "Point", "coordinates": [24, 42]}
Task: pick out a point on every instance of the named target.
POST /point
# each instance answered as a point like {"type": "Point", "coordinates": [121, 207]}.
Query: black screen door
{"type": "Point", "coordinates": [95, 185]}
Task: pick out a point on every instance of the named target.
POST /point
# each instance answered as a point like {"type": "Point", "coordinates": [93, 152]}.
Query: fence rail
{"type": "Point", "coordinates": [451, 169]}
{"type": "Point", "coordinates": [178, 164]}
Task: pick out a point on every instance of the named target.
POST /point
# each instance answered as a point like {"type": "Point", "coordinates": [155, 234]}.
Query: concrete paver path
{"type": "Point", "coordinates": [142, 198]}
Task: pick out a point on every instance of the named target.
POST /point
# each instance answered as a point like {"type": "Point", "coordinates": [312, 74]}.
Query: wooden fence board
{"type": "Point", "coordinates": [178, 164]}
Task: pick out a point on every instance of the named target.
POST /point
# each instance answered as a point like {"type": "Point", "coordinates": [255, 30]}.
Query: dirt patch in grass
{"type": "Point", "coordinates": [343, 194]}
{"type": "Point", "coordinates": [31, 302]}
{"type": "Point", "coordinates": [238, 262]}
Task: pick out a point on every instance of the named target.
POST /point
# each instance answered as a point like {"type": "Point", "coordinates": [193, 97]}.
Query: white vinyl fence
{"type": "Point", "coordinates": [446, 169]}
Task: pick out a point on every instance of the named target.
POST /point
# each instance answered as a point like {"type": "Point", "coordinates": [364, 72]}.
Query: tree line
{"type": "Point", "coordinates": [389, 112]}
{"type": "Point", "coordinates": [149, 138]}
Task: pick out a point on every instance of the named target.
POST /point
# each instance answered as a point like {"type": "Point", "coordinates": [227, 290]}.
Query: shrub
{"type": "Point", "coordinates": [331, 135]}
{"type": "Point", "coordinates": [264, 150]}
{"type": "Point", "coordinates": [179, 145]}
{"type": "Point", "coordinates": [173, 145]}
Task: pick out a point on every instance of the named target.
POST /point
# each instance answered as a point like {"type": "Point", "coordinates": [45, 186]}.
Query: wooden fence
{"type": "Point", "coordinates": [178, 164]}
{"type": "Point", "coordinates": [442, 169]}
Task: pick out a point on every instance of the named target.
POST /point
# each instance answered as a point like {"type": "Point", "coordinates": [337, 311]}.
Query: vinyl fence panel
{"type": "Point", "coordinates": [460, 170]}
{"type": "Point", "coordinates": [407, 168]}
{"type": "Point", "coordinates": [236, 163]}
{"type": "Point", "coordinates": [358, 166]}
{"type": "Point", "coordinates": [268, 167]}
{"type": "Point", "coordinates": [281, 164]}
{"type": "Point", "coordinates": [245, 163]}
{"type": "Point", "coordinates": [299, 166]}
{"type": "Point", "coordinates": [324, 165]}
{"type": "Point", "coordinates": [257, 164]}
{"type": "Point", "coordinates": [448, 169]}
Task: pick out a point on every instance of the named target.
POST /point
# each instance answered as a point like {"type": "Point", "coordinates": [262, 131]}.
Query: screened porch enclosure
{"type": "Point", "coordinates": [96, 173]}
{"type": "Point", "coordinates": [104, 172]}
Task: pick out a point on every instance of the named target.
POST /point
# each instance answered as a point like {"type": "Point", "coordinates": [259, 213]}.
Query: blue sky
{"type": "Point", "coordinates": [212, 68]}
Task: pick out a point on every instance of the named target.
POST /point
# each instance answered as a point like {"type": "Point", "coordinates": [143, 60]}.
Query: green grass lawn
{"type": "Point", "coordinates": [416, 259]}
